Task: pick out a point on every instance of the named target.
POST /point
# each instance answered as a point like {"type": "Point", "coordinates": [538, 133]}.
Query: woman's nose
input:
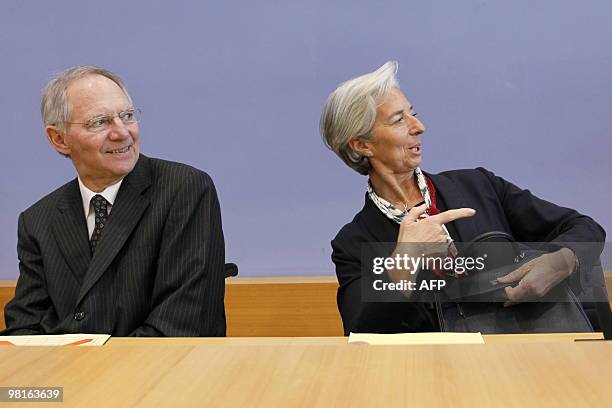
{"type": "Point", "coordinates": [416, 126]}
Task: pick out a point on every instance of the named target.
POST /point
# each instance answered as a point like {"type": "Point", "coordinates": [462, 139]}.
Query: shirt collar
{"type": "Point", "coordinates": [109, 193]}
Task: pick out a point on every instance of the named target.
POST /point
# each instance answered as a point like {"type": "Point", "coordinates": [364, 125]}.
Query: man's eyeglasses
{"type": "Point", "coordinates": [103, 122]}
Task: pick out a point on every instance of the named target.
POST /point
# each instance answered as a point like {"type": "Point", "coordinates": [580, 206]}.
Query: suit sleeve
{"type": "Point", "coordinates": [23, 315]}
{"type": "Point", "coordinates": [189, 285]}
{"type": "Point", "coordinates": [359, 316]}
{"type": "Point", "coordinates": [535, 220]}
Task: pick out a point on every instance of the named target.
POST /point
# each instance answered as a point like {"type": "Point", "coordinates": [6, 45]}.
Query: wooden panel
{"type": "Point", "coordinates": [272, 307]}
{"type": "Point", "coordinates": [7, 292]}
{"type": "Point", "coordinates": [266, 307]}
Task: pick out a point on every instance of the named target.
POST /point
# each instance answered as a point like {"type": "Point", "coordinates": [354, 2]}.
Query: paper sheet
{"type": "Point", "coordinates": [416, 338]}
{"type": "Point", "coordinates": [58, 340]}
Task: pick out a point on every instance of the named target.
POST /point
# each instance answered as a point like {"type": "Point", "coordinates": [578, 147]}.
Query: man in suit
{"type": "Point", "coordinates": [133, 246]}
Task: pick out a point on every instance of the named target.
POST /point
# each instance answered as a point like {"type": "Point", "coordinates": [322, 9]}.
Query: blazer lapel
{"type": "Point", "coordinates": [127, 210]}
{"type": "Point", "coordinates": [466, 227]}
{"type": "Point", "coordinates": [70, 230]}
{"type": "Point", "coordinates": [380, 226]}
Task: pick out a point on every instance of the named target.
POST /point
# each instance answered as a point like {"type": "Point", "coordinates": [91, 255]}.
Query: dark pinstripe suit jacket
{"type": "Point", "coordinates": [157, 270]}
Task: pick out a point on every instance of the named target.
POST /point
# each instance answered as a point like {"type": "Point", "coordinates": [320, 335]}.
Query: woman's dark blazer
{"type": "Point", "coordinates": [499, 205]}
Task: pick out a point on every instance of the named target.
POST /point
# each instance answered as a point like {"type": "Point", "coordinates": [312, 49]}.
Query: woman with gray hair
{"type": "Point", "coordinates": [371, 125]}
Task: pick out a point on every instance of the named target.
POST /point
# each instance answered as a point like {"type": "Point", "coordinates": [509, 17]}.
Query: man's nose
{"type": "Point", "coordinates": [118, 129]}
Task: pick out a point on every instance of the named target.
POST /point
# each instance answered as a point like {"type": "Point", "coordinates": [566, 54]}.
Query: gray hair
{"type": "Point", "coordinates": [54, 104]}
{"type": "Point", "coordinates": [350, 111]}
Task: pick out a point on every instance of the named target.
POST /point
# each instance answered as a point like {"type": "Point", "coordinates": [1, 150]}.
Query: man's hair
{"type": "Point", "coordinates": [54, 104]}
{"type": "Point", "coordinates": [350, 111]}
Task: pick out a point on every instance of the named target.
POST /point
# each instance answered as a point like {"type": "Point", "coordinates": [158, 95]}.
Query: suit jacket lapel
{"type": "Point", "coordinates": [379, 225]}
{"type": "Point", "coordinates": [452, 197]}
{"type": "Point", "coordinates": [125, 214]}
{"type": "Point", "coordinates": [70, 230]}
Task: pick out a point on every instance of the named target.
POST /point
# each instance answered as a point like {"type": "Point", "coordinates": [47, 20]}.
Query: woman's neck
{"type": "Point", "coordinates": [401, 190]}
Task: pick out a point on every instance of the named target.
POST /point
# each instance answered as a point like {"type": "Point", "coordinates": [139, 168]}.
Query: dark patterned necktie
{"type": "Point", "coordinates": [100, 206]}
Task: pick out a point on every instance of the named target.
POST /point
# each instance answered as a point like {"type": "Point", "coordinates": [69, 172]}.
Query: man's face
{"type": "Point", "coordinates": [100, 156]}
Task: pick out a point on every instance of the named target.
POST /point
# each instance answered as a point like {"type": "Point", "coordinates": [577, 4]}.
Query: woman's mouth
{"type": "Point", "coordinates": [415, 149]}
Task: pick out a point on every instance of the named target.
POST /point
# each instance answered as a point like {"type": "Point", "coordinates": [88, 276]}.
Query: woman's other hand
{"type": "Point", "coordinates": [538, 276]}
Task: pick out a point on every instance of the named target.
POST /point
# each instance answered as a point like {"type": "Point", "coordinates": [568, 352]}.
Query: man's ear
{"type": "Point", "coordinates": [57, 138]}
{"type": "Point", "coordinates": [360, 146]}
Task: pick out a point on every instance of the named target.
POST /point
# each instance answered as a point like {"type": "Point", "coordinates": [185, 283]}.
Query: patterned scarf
{"type": "Point", "coordinates": [395, 213]}
{"type": "Point", "coordinates": [428, 192]}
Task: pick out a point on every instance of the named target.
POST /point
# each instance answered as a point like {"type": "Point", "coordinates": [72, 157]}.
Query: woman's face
{"type": "Point", "coordinates": [396, 143]}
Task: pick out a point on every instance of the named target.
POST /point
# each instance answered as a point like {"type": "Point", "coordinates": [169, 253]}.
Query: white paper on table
{"type": "Point", "coordinates": [416, 338]}
{"type": "Point", "coordinates": [56, 340]}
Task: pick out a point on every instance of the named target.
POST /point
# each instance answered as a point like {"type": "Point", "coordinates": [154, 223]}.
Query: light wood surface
{"type": "Point", "coordinates": [272, 306]}
{"type": "Point", "coordinates": [334, 341]}
{"type": "Point", "coordinates": [147, 373]}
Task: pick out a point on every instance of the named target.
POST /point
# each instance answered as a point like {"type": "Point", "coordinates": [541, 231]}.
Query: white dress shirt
{"type": "Point", "coordinates": [109, 193]}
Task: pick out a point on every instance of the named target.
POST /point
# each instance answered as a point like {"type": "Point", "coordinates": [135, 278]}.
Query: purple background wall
{"type": "Point", "coordinates": [236, 88]}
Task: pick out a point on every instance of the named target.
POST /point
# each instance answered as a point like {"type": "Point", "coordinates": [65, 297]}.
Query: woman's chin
{"type": "Point", "coordinates": [414, 163]}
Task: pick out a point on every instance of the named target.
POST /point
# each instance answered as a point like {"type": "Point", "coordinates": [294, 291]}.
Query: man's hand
{"type": "Point", "coordinates": [538, 276]}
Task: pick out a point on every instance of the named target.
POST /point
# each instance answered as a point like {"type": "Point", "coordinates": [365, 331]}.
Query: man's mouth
{"type": "Point", "coordinates": [123, 150]}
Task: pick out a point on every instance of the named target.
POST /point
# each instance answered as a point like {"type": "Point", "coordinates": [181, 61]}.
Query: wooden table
{"type": "Point", "coordinates": [521, 371]}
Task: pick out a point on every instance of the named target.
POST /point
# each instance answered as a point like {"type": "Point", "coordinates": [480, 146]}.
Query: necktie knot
{"type": "Point", "coordinates": [99, 203]}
